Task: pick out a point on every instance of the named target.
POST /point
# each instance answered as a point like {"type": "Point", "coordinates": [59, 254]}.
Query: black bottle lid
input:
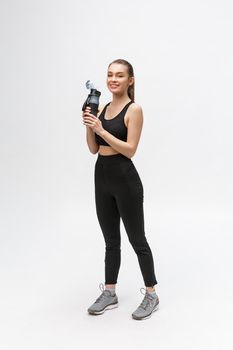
{"type": "Point", "coordinates": [95, 92]}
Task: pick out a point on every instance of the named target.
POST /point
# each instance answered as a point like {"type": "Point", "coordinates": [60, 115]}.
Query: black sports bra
{"type": "Point", "coordinates": [115, 126]}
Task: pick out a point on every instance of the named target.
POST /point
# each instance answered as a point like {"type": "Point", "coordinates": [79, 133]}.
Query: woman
{"type": "Point", "coordinates": [115, 134]}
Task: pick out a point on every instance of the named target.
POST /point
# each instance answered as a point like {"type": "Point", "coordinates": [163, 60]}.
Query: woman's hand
{"type": "Point", "coordinates": [91, 121]}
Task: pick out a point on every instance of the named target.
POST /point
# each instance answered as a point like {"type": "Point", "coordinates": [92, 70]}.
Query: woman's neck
{"type": "Point", "coordinates": [119, 100]}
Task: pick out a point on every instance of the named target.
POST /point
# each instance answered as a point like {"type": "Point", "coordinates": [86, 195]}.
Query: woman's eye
{"type": "Point", "coordinates": [119, 76]}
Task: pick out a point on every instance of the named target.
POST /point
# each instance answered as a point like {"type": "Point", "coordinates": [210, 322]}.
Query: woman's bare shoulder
{"type": "Point", "coordinates": [134, 114]}
{"type": "Point", "coordinates": [135, 107]}
{"type": "Point", "coordinates": [100, 109]}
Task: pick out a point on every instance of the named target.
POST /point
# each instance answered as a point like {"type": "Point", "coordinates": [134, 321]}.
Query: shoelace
{"type": "Point", "coordinates": [147, 301]}
{"type": "Point", "coordinates": [105, 293]}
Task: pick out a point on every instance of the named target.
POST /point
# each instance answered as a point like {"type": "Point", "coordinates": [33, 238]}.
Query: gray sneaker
{"type": "Point", "coordinates": [148, 305]}
{"type": "Point", "coordinates": [105, 301]}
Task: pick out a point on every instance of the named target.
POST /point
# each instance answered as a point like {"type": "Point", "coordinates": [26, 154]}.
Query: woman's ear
{"type": "Point", "coordinates": [131, 80]}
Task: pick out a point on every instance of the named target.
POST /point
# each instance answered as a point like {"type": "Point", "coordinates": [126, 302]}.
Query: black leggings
{"type": "Point", "coordinates": [119, 193]}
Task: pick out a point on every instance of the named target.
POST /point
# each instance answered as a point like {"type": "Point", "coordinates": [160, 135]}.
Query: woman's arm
{"type": "Point", "coordinates": [90, 138]}
{"type": "Point", "coordinates": [90, 134]}
{"type": "Point", "coordinates": [135, 123]}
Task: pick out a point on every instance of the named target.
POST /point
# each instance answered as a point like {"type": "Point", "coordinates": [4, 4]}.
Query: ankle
{"type": "Point", "coordinates": [111, 289]}
{"type": "Point", "coordinates": [110, 286]}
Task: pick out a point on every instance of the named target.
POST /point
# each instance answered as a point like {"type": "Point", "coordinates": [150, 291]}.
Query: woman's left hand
{"type": "Point", "coordinates": [92, 121]}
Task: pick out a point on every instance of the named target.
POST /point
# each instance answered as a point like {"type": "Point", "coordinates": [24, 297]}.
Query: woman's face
{"type": "Point", "coordinates": [118, 79]}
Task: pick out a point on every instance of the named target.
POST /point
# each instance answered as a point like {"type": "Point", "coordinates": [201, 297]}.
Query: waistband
{"type": "Point", "coordinates": [113, 158]}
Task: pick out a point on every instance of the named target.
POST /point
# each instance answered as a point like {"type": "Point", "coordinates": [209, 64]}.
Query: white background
{"type": "Point", "coordinates": [52, 249]}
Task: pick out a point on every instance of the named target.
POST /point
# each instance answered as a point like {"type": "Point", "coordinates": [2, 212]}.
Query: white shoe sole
{"type": "Point", "coordinates": [146, 317]}
{"type": "Point", "coordinates": [109, 307]}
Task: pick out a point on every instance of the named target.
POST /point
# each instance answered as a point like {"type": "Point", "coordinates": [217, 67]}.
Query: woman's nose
{"type": "Point", "coordinates": [113, 78]}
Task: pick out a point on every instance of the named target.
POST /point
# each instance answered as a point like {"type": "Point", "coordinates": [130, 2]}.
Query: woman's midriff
{"type": "Point", "coordinates": [107, 150]}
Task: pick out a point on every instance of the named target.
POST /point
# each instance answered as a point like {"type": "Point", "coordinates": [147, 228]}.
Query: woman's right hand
{"type": "Point", "coordinates": [86, 113]}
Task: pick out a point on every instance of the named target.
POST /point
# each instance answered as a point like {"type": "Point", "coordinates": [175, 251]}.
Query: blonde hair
{"type": "Point", "coordinates": [131, 88]}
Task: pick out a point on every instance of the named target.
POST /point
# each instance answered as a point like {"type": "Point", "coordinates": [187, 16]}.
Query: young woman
{"type": "Point", "coordinates": [115, 134]}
